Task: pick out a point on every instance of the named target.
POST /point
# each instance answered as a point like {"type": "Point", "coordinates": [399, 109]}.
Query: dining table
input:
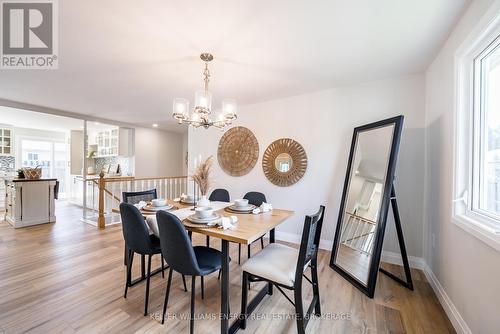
{"type": "Point", "coordinates": [248, 228]}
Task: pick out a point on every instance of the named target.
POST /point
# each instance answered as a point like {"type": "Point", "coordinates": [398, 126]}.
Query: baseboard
{"type": "Point", "coordinates": [451, 311]}
{"type": "Point", "coordinates": [395, 258]}
{"type": "Point", "coordinates": [296, 238]}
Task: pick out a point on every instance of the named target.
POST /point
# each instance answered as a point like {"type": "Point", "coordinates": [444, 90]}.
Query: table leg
{"type": "Point", "coordinates": [224, 282]}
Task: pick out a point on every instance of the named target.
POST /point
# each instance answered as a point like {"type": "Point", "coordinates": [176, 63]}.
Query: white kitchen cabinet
{"type": "Point", "coordinates": [6, 141]}
{"type": "Point", "coordinates": [112, 142]}
{"type": "Point", "coordinates": [30, 202]}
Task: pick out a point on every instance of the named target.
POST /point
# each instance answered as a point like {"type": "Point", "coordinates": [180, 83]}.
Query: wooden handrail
{"type": "Point", "coordinates": [362, 218]}
{"type": "Point", "coordinates": [133, 178]}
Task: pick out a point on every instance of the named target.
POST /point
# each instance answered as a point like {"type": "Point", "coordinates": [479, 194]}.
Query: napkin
{"type": "Point", "coordinates": [140, 205]}
{"type": "Point", "coordinates": [265, 207]}
{"type": "Point", "coordinates": [228, 223]}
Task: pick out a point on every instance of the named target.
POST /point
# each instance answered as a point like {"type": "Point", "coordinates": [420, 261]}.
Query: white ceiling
{"type": "Point", "coordinates": [127, 60]}
{"type": "Point", "coordinates": [33, 120]}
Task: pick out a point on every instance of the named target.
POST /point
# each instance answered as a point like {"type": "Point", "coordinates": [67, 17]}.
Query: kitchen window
{"type": "Point", "coordinates": [476, 201]}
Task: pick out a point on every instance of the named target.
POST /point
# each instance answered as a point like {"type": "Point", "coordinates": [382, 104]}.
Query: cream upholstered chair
{"type": "Point", "coordinates": [284, 267]}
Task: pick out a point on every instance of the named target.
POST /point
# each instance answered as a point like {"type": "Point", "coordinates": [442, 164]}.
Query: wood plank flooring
{"type": "Point", "coordinates": [68, 277]}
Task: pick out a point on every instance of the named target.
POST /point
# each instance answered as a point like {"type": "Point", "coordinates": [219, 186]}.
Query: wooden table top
{"type": "Point", "coordinates": [249, 227]}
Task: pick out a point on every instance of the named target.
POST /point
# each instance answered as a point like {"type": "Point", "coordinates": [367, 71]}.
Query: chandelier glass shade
{"type": "Point", "coordinates": [201, 115]}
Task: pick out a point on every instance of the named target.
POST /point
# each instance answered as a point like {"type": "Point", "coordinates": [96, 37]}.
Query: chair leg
{"type": "Point", "coordinates": [262, 242]}
{"type": "Point", "coordinates": [125, 255]}
{"type": "Point", "coordinates": [143, 266]}
{"type": "Point", "coordinates": [244, 300]}
{"type": "Point", "coordinates": [162, 267]}
{"type": "Point", "coordinates": [193, 296]}
{"type": "Point", "coordinates": [167, 293]}
{"type": "Point", "coordinates": [239, 253]}
{"type": "Point", "coordinates": [220, 271]}
{"type": "Point", "coordinates": [130, 258]}
{"type": "Point", "coordinates": [299, 310]}
{"type": "Point", "coordinates": [208, 241]}
{"type": "Point", "coordinates": [147, 286]}
{"type": "Point", "coordinates": [202, 288]}
{"type": "Point", "coordinates": [184, 282]}
{"type": "Point", "coordinates": [314, 276]}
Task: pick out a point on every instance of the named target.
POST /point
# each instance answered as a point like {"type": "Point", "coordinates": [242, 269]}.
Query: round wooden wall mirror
{"type": "Point", "coordinates": [238, 151]}
{"type": "Point", "coordinates": [284, 162]}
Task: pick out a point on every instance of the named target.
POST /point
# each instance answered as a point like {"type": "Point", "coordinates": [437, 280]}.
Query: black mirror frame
{"type": "Point", "coordinates": [369, 289]}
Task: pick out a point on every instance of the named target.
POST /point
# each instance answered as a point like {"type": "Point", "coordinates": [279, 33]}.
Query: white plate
{"type": "Point", "coordinates": [196, 220]}
{"type": "Point", "coordinates": [240, 208]}
{"type": "Point", "coordinates": [157, 208]}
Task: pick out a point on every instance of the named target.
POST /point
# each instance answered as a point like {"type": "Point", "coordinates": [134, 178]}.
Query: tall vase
{"type": "Point", "coordinates": [203, 201]}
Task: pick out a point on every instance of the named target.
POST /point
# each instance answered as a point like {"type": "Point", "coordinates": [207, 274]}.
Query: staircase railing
{"type": "Point", "coordinates": [110, 191]}
{"type": "Point", "coordinates": [358, 233]}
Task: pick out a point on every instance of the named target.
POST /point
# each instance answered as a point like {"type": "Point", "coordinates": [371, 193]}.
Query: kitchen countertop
{"type": "Point", "coordinates": [31, 180]}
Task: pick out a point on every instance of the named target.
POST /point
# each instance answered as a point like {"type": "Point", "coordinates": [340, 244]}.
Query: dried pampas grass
{"type": "Point", "coordinates": [202, 175]}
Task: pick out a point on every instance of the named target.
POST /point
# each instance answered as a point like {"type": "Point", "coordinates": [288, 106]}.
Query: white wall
{"type": "Point", "coordinates": [467, 269]}
{"type": "Point", "coordinates": [158, 153]}
{"type": "Point", "coordinates": [323, 123]}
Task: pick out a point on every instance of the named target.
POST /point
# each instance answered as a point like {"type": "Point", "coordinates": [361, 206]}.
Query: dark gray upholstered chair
{"type": "Point", "coordinates": [182, 257]}
{"type": "Point", "coordinates": [284, 267]}
{"type": "Point", "coordinates": [218, 195]}
{"type": "Point", "coordinates": [254, 198]}
{"type": "Point", "coordinates": [138, 240]}
{"type": "Point", "coordinates": [134, 197]}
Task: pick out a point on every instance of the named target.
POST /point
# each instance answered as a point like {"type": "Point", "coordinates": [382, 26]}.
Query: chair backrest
{"type": "Point", "coordinates": [134, 197]}
{"type": "Point", "coordinates": [219, 195]}
{"type": "Point", "coordinates": [255, 198]}
{"type": "Point", "coordinates": [176, 247]}
{"type": "Point", "coordinates": [135, 231]}
{"type": "Point", "coordinates": [310, 242]}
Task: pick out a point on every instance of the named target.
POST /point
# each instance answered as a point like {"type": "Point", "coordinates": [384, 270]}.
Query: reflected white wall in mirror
{"type": "Point", "coordinates": [365, 192]}
{"type": "Point", "coordinates": [283, 162]}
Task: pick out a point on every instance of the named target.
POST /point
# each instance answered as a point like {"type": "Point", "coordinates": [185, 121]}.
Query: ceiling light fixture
{"type": "Point", "coordinates": [201, 113]}
{"type": "Point", "coordinates": [155, 125]}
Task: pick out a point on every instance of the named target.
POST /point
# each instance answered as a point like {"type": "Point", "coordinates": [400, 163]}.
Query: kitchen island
{"type": "Point", "coordinates": [30, 202]}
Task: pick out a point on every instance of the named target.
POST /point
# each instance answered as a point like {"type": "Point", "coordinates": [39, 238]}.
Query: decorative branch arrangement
{"type": "Point", "coordinates": [202, 175]}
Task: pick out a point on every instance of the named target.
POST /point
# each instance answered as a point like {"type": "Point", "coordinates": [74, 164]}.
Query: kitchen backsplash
{"type": "Point", "coordinates": [7, 164]}
{"type": "Point", "coordinates": [123, 161]}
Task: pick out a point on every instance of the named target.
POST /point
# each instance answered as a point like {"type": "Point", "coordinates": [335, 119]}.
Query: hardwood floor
{"type": "Point", "coordinates": [69, 277]}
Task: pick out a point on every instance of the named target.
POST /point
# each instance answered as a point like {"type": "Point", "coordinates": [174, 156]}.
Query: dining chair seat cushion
{"type": "Point", "coordinates": [275, 262]}
{"type": "Point", "coordinates": [209, 259]}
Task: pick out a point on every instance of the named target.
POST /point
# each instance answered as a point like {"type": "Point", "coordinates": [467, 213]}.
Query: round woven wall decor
{"type": "Point", "coordinates": [238, 151]}
{"type": "Point", "coordinates": [293, 171]}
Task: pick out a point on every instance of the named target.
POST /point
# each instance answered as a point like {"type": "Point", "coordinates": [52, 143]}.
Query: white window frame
{"type": "Point", "coordinates": [483, 226]}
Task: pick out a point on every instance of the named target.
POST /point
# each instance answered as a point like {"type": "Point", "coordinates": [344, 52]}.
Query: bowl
{"type": "Point", "coordinates": [159, 202]}
{"type": "Point", "coordinates": [188, 198]}
{"type": "Point", "coordinates": [204, 212]}
{"type": "Point", "coordinates": [241, 203]}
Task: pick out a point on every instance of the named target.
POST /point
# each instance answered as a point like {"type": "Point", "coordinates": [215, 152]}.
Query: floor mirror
{"type": "Point", "coordinates": [367, 195]}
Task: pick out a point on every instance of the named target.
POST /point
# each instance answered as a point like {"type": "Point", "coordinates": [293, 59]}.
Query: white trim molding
{"type": "Point", "coordinates": [452, 312]}
{"type": "Point", "coordinates": [395, 258]}
{"type": "Point", "coordinates": [464, 214]}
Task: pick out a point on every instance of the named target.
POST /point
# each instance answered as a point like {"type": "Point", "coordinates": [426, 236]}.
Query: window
{"type": "Point", "coordinates": [486, 147]}
{"type": "Point", "coordinates": [476, 201]}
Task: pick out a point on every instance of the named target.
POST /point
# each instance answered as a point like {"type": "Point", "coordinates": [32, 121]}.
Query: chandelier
{"type": "Point", "coordinates": [201, 115]}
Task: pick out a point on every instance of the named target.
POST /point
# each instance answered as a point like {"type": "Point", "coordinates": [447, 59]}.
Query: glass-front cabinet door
{"type": "Point", "coordinates": [5, 142]}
